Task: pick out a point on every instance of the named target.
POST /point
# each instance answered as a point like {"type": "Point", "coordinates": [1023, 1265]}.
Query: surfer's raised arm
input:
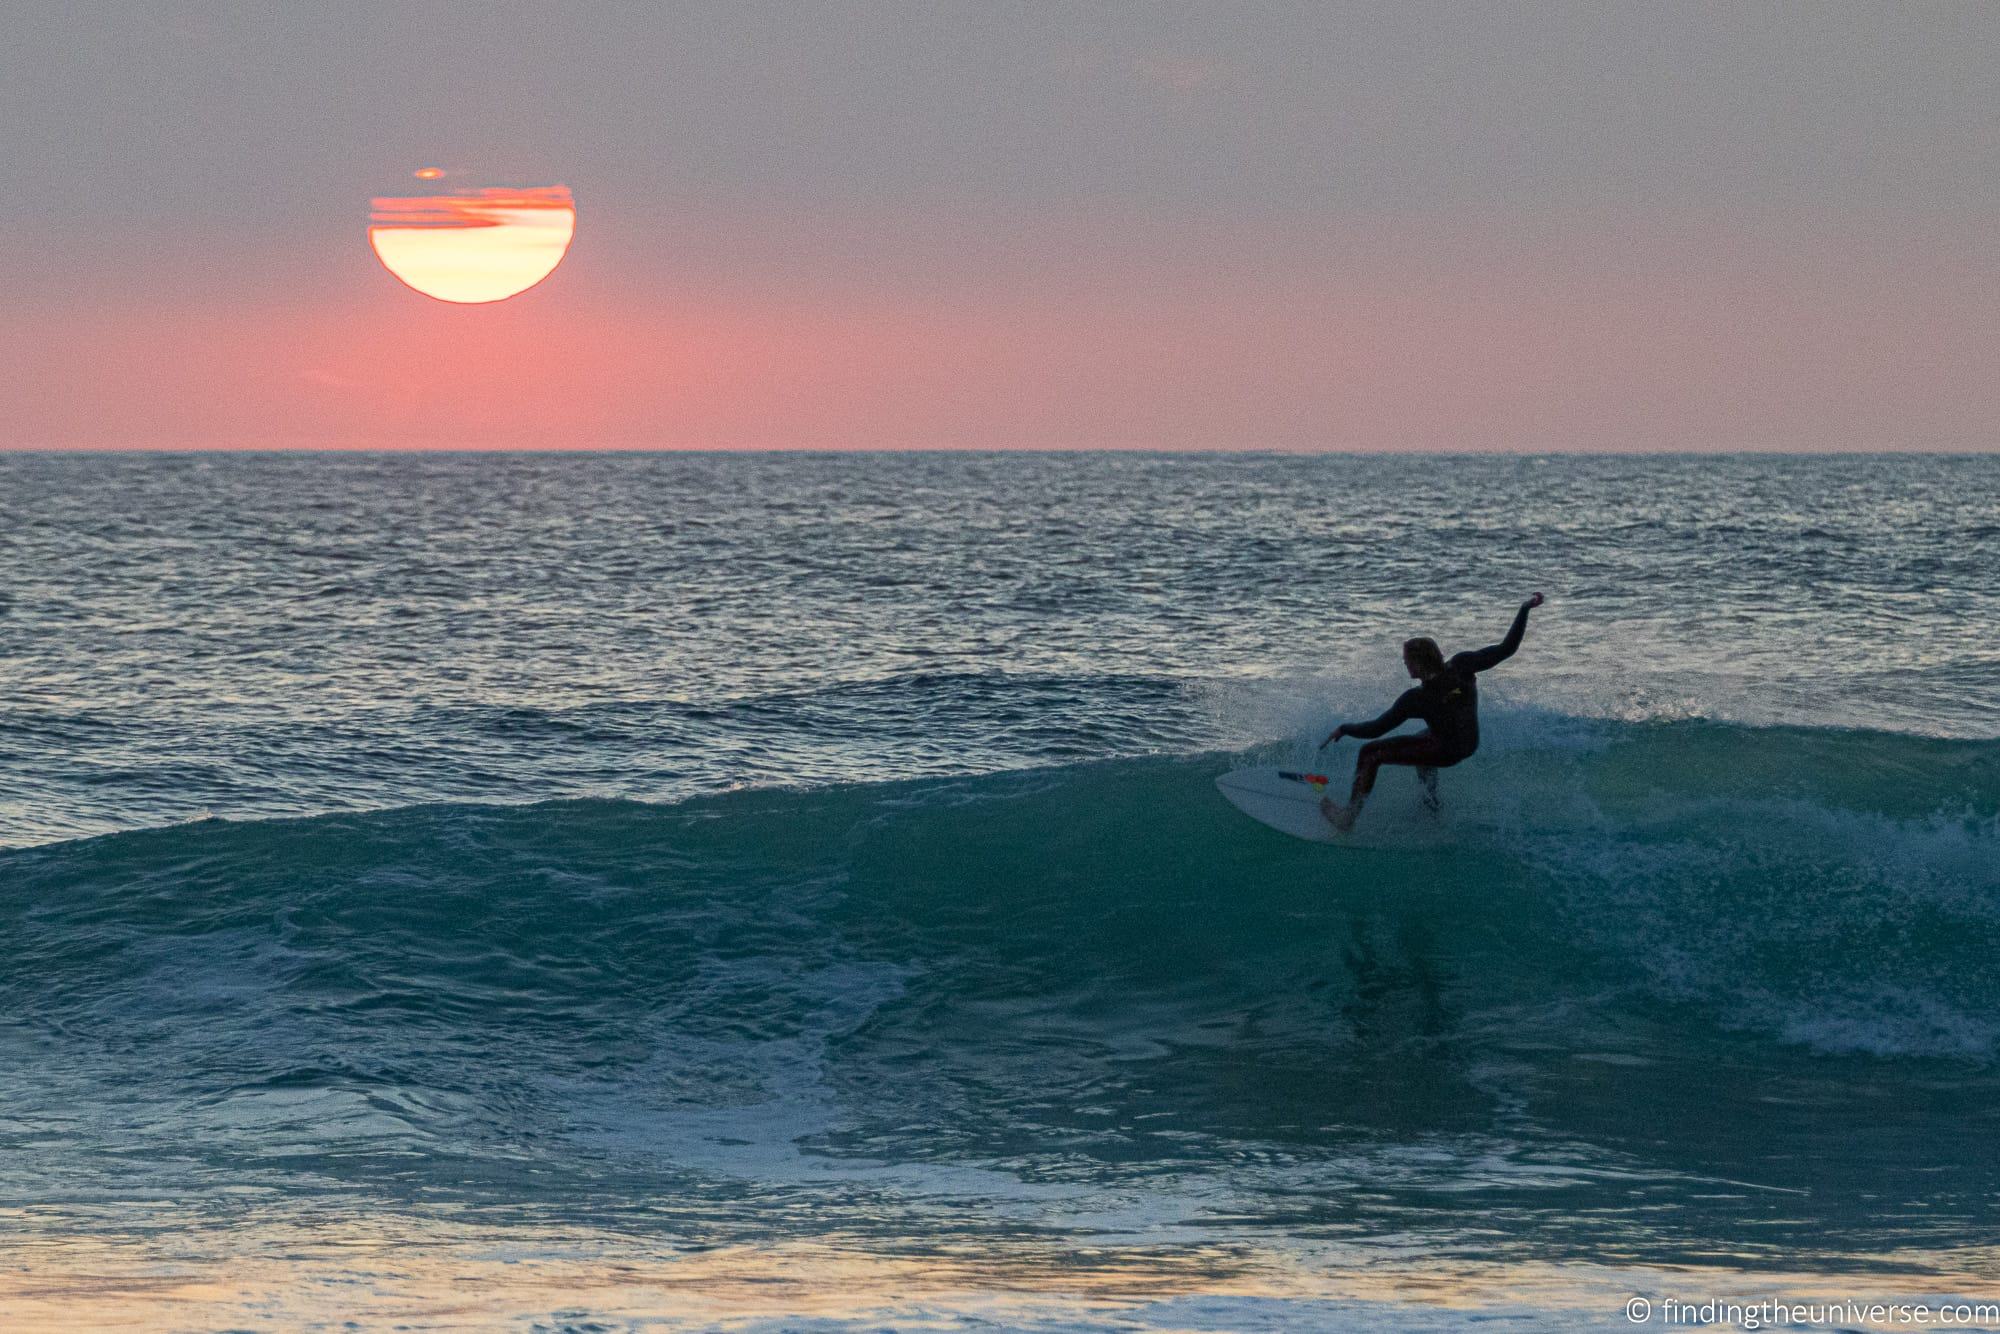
{"type": "Point", "coordinates": [1479, 659]}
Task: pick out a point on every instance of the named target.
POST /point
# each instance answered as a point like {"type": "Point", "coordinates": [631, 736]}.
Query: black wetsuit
{"type": "Point", "coordinates": [1448, 703]}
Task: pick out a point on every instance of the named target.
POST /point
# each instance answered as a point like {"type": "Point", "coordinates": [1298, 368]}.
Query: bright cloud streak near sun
{"type": "Point", "coordinates": [473, 246]}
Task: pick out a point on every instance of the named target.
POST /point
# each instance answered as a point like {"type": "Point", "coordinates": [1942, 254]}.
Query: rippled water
{"type": "Point", "coordinates": [213, 634]}
{"type": "Point", "coordinates": [698, 885]}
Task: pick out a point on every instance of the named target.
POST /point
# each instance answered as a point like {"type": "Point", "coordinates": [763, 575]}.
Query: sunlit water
{"type": "Point", "coordinates": [788, 891]}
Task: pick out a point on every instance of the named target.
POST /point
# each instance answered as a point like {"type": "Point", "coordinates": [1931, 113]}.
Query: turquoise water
{"type": "Point", "coordinates": [560, 874]}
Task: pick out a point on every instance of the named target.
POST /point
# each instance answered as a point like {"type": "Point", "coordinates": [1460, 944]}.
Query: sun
{"type": "Point", "coordinates": [473, 246]}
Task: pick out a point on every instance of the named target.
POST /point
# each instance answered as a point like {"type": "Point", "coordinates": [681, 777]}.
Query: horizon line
{"type": "Point", "coordinates": [1279, 451]}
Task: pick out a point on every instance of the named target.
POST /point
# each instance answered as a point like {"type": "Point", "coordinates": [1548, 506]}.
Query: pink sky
{"type": "Point", "coordinates": [1602, 334]}
{"type": "Point", "coordinates": [1260, 224]}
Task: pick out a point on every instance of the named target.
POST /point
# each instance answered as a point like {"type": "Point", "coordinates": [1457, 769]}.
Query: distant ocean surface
{"type": "Point", "coordinates": [788, 891]}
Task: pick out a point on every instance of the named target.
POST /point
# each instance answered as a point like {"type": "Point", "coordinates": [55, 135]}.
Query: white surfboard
{"type": "Point", "coordinates": [1285, 799]}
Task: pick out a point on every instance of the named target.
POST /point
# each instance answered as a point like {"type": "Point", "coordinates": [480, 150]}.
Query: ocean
{"type": "Point", "coordinates": [788, 892]}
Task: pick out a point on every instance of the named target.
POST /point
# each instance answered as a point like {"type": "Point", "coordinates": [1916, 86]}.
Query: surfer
{"type": "Point", "coordinates": [1446, 698]}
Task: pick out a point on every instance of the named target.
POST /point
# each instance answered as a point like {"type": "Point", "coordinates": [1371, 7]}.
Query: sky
{"type": "Point", "coordinates": [1234, 225]}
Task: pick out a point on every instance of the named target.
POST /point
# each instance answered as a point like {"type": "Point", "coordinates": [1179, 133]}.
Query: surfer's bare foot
{"type": "Point", "coordinates": [1339, 816]}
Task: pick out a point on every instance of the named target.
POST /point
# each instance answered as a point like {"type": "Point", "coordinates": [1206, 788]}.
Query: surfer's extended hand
{"type": "Point", "coordinates": [1333, 736]}
{"type": "Point", "coordinates": [1534, 601]}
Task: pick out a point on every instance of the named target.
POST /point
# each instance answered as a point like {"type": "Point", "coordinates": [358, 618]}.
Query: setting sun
{"type": "Point", "coordinates": [474, 246]}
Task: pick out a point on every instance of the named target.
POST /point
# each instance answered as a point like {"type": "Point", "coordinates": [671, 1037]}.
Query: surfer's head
{"type": "Point", "coordinates": [1423, 657]}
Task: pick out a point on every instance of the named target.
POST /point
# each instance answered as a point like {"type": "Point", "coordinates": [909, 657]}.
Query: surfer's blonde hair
{"type": "Point", "coordinates": [1424, 654]}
